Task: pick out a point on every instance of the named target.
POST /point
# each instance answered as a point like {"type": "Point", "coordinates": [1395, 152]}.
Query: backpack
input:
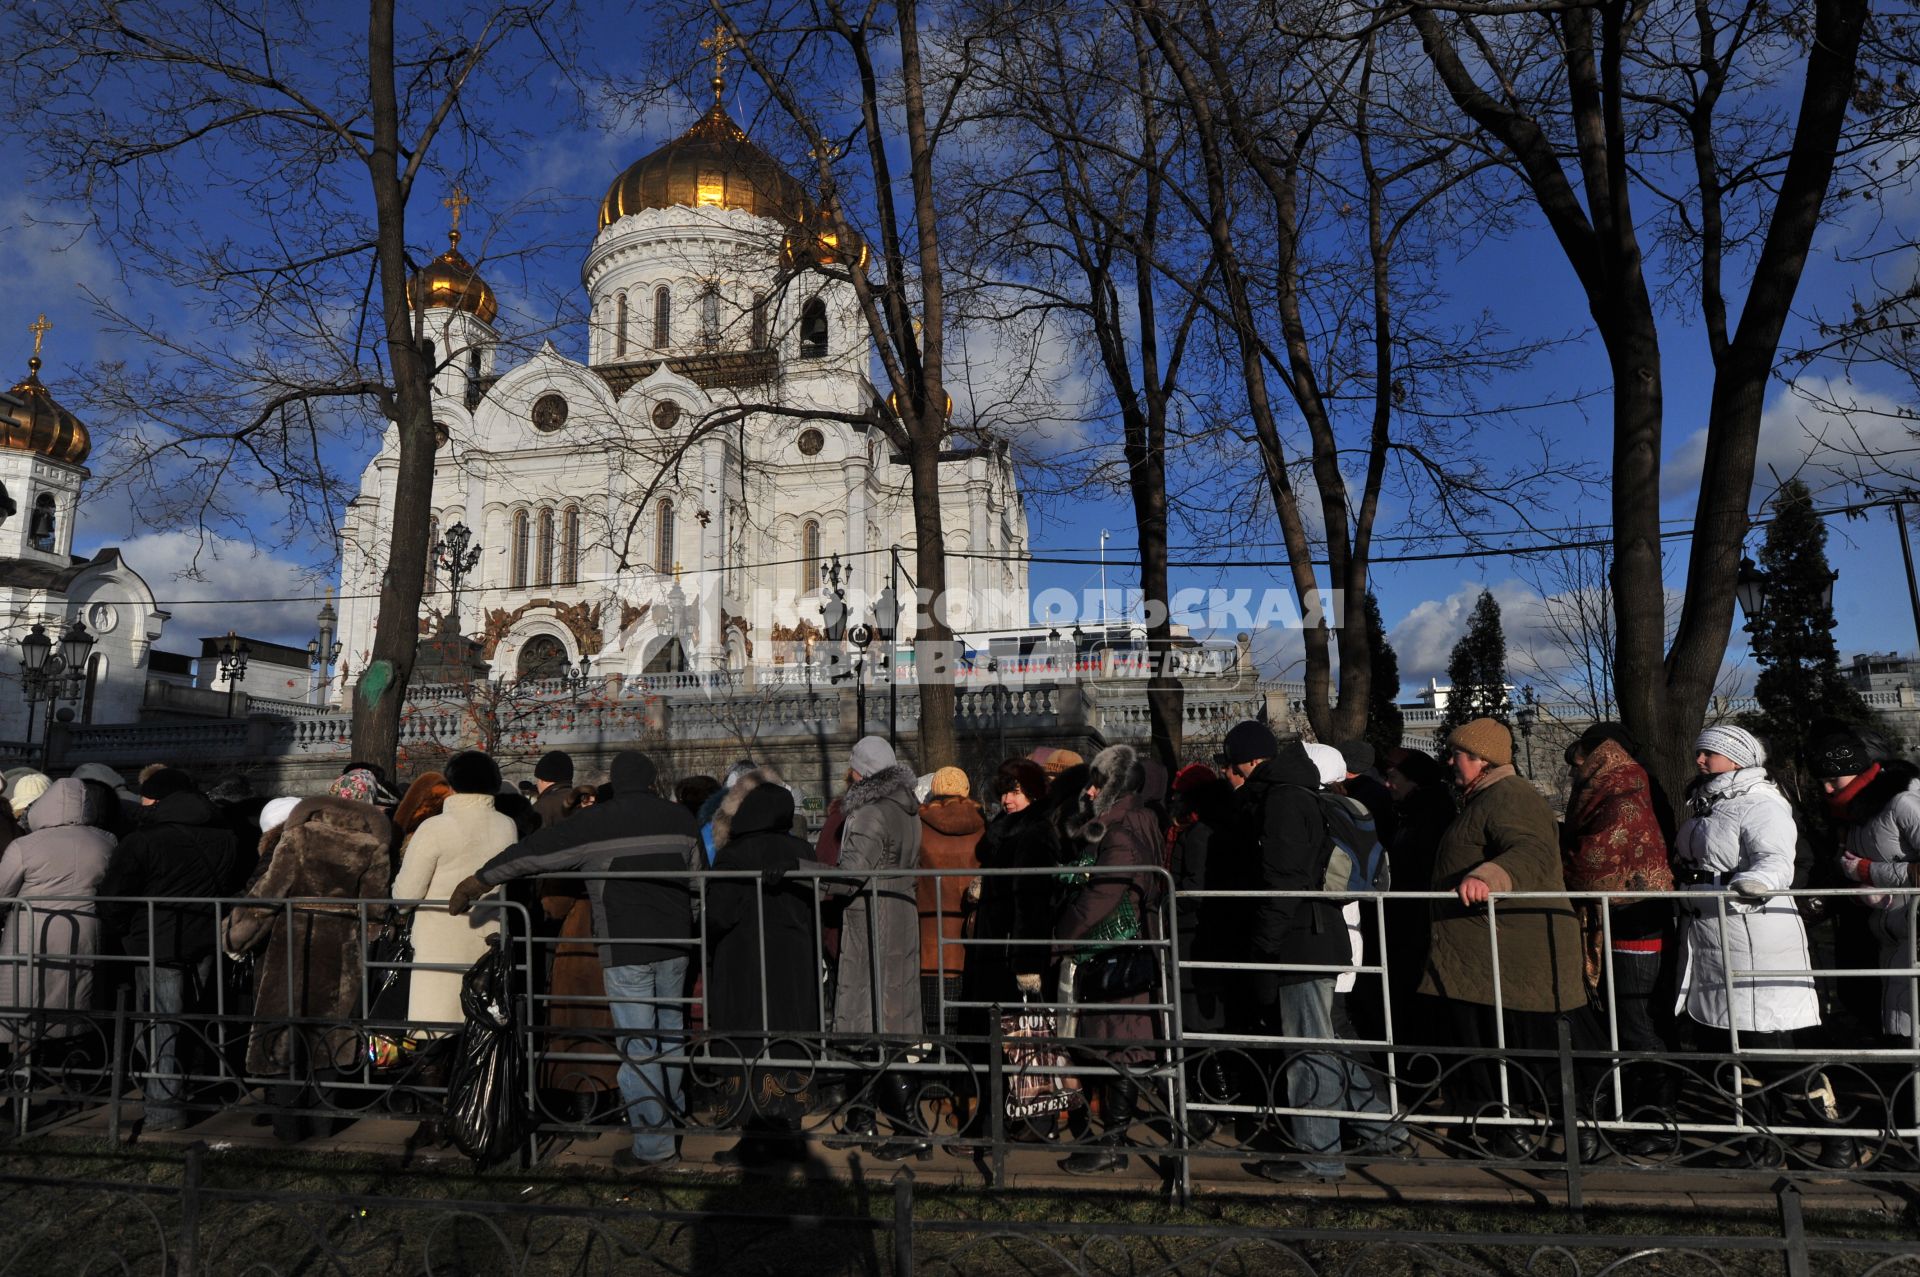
{"type": "Point", "coordinates": [1353, 861]}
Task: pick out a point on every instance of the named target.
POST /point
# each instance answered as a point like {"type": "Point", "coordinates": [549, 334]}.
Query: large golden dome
{"type": "Point", "coordinates": [41, 425]}
{"type": "Point", "coordinates": [450, 280]}
{"type": "Point", "coordinates": [712, 164]}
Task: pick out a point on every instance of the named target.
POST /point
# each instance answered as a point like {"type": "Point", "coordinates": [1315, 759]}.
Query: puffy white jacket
{"type": "Point", "coordinates": [1741, 832]}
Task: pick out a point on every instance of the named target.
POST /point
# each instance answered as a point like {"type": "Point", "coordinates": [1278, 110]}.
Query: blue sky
{"type": "Point", "coordinates": [548, 196]}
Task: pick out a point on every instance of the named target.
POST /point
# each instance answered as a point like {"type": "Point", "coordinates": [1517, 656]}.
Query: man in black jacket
{"type": "Point", "coordinates": [1282, 830]}
{"type": "Point", "coordinates": [645, 928]}
{"type": "Point", "coordinates": [182, 847]}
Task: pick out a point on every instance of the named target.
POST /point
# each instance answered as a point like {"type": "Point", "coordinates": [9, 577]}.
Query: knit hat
{"type": "Point", "coordinates": [165, 783]}
{"type": "Point", "coordinates": [555, 766]}
{"type": "Point", "coordinates": [472, 772]}
{"type": "Point", "coordinates": [1737, 743]}
{"type": "Point", "coordinates": [275, 813]}
{"type": "Point", "coordinates": [871, 755]}
{"type": "Point", "coordinates": [27, 788]}
{"type": "Point", "coordinates": [632, 772]}
{"type": "Point", "coordinates": [1054, 761]}
{"type": "Point", "coordinates": [1022, 774]}
{"type": "Point", "coordinates": [950, 782]}
{"type": "Point", "coordinates": [1193, 776]}
{"type": "Point", "coordinates": [1328, 761]}
{"type": "Point", "coordinates": [356, 786]}
{"type": "Point", "coordinates": [1250, 742]}
{"type": "Point", "coordinates": [1486, 738]}
{"type": "Point", "coordinates": [1359, 755]}
{"type": "Point", "coordinates": [1839, 753]}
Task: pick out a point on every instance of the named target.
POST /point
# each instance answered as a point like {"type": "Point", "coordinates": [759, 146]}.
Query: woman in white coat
{"type": "Point", "coordinates": [1739, 838]}
{"type": "Point", "coordinates": [443, 851]}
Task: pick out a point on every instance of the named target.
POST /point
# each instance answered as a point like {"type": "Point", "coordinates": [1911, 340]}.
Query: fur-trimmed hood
{"type": "Point", "coordinates": [895, 785]}
{"type": "Point", "coordinates": [730, 800]}
{"type": "Point", "coordinates": [1120, 773]}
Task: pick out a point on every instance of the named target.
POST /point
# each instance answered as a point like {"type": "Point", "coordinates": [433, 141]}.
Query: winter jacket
{"type": "Point", "coordinates": [762, 974]}
{"type": "Point", "coordinates": [1120, 832]}
{"type": "Point", "coordinates": [184, 847]}
{"type": "Point", "coordinates": [62, 855]}
{"type": "Point", "coordinates": [1741, 830]}
{"type": "Point", "coordinates": [1611, 841]}
{"type": "Point", "coordinates": [1282, 838]}
{"type": "Point", "coordinates": [1012, 907]}
{"type": "Point", "coordinates": [1504, 835]}
{"type": "Point", "coordinates": [1881, 825]}
{"type": "Point", "coordinates": [551, 805]}
{"type": "Point", "coordinates": [950, 830]}
{"type": "Point", "coordinates": [442, 853]}
{"type": "Point", "coordinates": [878, 988]}
{"type": "Point", "coordinates": [333, 849]}
{"type": "Point", "coordinates": [638, 920]}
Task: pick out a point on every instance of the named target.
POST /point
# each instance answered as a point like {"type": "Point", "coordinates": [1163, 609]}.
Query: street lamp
{"type": "Point", "coordinates": [886, 629]}
{"type": "Point", "coordinates": [1750, 591]}
{"type": "Point", "coordinates": [576, 676]}
{"type": "Point", "coordinates": [452, 556]}
{"type": "Point", "coordinates": [233, 653]}
{"type": "Point", "coordinates": [53, 678]}
{"type": "Point", "coordinates": [1526, 716]}
{"type": "Point", "coordinates": [324, 649]}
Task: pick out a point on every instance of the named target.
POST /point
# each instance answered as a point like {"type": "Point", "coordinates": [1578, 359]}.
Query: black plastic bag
{"type": "Point", "coordinates": [487, 1090]}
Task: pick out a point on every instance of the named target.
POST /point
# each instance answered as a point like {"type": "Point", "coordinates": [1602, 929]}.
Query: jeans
{"type": "Point", "coordinates": [644, 1000]}
{"type": "Point", "coordinates": [1322, 1079]}
{"type": "Point", "coordinates": [164, 993]}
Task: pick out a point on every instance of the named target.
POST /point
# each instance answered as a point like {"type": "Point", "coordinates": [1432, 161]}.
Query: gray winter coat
{"type": "Point", "coordinates": [1883, 828]}
{"type": "Point", "coordinates": [62, 856]}
{"type": "Point", "coordinates": [879, 985]}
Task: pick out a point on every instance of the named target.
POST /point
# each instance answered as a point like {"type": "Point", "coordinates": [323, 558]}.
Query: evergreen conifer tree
{"type": "Point", "coordinates": [1385, 724]}
{"type": "Point", "coordinates": [1477, 669]}
{"type": "Point", "coordinates": [1800, 681]}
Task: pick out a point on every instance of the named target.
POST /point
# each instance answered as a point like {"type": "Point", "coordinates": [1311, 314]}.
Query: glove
{"type": "Point", "coordinates": [469, 890]}
{"type": "Point", "coordinates": [1750, 889]}
{"type": "Point", "coordinates": [1854, 869]}
{"type": "Point", "coordinates": [1029, 982]}
{"type": "Point", "coordinates": [772, 875]}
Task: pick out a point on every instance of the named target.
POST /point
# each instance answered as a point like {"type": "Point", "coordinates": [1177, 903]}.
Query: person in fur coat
{"type": "Point", "coordinates": [334, 847]}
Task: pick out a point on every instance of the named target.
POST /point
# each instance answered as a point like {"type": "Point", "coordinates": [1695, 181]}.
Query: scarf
{"type": "Point", "coordinates": [1489, 777]}
{"type": "Point", "coordinates": [1840, 800]}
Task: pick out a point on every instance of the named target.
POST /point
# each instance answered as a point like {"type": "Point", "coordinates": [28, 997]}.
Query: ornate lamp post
{"type": "Point", "coordinates": [45, 676]}
{"type": "Point", "coordinates": [323, 650]}
{"type": "Point", "coordinates": [833, 616]}
{"type": "Point", "coordinates": [1750, 592]}
{"type": "Point", "coordinates": [886, 628]}
{"type": "Point", "coordinates": [1526, 716]}
{"type": "Point", "coordinates": [452, 555]}
{"type": "Point", "coordinates": [234, 654]}
{"type": "Point", "coordinates": [576, 676]}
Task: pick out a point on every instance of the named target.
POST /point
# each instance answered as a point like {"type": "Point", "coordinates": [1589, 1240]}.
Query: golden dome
{"type": "Point", "coordinates": [41, 425]}
{"type": "Point", "coordinates": [712, 164]}
{"type": "Point", "coordinates": [450, 280]}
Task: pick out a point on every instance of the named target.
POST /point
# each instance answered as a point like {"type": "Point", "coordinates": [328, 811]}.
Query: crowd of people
{"type": "Point", "coordinates": [1050, 892]}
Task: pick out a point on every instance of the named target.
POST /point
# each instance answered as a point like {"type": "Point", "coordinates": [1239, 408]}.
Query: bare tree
{"type": "Point", "coordinates": [1570, 645]}
{"type": "Point", "coordinates": [269, 159]}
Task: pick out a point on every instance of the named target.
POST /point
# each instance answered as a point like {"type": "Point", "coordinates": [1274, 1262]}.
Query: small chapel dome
{"type": "Point", "coordinates": [711, 165]}
{"type": "Point", "coordinates": [450, 280]}
{"type": "Point", "coordinates": [35, 423]}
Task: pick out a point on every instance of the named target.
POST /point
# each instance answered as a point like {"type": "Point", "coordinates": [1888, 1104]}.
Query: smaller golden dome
{"type": "Point", "coordinates": [41, 425]}
{"type": "Point", "coordinates": [450, 280]}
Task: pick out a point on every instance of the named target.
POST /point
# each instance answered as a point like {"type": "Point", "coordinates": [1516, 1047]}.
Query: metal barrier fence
{"type": "Point", "coordinates": [984, 1073]}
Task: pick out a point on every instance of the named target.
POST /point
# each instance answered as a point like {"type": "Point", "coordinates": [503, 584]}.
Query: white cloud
{"type": "Point", "coordinates": [1830, 431]}
{"type": "Point", "coordinates": [206, 585]}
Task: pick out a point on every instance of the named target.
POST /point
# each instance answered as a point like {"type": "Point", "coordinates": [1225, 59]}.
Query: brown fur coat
{"type": "Point", "coordinates": [330, 848]}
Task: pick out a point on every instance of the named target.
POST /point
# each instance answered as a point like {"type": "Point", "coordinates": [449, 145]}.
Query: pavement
{"type": "Point", "coordinates": [1220, 1171]}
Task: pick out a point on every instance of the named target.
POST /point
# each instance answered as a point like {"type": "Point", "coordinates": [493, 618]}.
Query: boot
{"type": "Point", "coordinates": [897, 1102]}
{"type": "Point", "coordinates": [1122, 1096]}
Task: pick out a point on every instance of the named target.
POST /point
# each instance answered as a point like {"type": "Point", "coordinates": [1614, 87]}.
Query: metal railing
{"type": "Point", "coordinates": [1207, 1097]}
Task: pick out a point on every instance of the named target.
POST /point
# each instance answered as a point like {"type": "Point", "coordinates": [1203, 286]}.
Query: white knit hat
{"type": "Point", "coordinates": [1328, 761]}
{"type": "Point", "coordinates": [24, 790]}
{"type": "Point", "coordinates": [1737, 743]}
{"type": "Point", "coordinates": [275, 813]}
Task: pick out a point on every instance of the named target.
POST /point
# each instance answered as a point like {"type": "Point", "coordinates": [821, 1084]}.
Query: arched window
{"type": "Point", "coordinates": [813, 330]}
{"type": "Point", "coordinates": [757, 339]}
{"type": "Point", "coordinates": [522, 536]}
{"type": "Point", "coordinates": [663, 540]}
{"type": "Point", "coordinates": [662, 317]}
{"type": "Point", "coordinates": [619, 325]}
{"type": "Point", "coordinates": [542, 657]}
{"type": "Point", "coordinates": [433, 560]}
{"type": "Point", "coordinates": [809, 556]}
{"type": "Point", "coordinates": [473, 364]}
{"type": "Point", "coordinates": [710, 317]}
{"type": "Point", "coordinates": [570, 547]}
{"type": "Point", "coordinates": [40, 528]}
{"type": "Point", "coordinates": [543, 564]}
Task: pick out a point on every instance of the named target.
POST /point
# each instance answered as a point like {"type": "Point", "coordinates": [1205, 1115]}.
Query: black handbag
{"type": "Point", "coordinates": [387, 985]}
{"type": "Point", "coordinates": [1117, 975]}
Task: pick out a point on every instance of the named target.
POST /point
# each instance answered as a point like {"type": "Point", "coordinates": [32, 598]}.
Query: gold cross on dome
{"type": "Point", "coordinates": [456, 203]}
{"type": "Point", "coordinates": [722, 43]}
{"type": "Point", "coordinates": [39, 328]}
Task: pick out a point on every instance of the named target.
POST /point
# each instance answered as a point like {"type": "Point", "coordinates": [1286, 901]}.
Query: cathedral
{"type": "Point", "coordinates": [674, 502]}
